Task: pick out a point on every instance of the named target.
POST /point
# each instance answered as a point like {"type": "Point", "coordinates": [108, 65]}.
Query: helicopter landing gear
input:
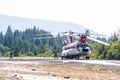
{"type": "Point", "coordinates": [62, 57]}
{"type": "Point", "coordinates": [78, 57]}
{"type": "Point", "coordinates": [87, 57]}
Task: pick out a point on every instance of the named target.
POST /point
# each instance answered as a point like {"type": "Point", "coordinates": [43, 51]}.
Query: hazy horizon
{"type": "Point", "coordinates": [54, 27]}
{"type": "Point", "coordinates": [102, 16]}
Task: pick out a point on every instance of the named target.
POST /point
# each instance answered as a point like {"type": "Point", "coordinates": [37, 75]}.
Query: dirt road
{"type": "Point", "coordinates": [56, 70]}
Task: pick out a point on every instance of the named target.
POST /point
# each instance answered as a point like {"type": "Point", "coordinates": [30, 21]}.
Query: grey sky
{"type": "Point", "coordinates": [99, 15]}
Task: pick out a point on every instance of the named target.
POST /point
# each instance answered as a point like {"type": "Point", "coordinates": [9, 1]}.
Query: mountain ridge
{"type": "Point", "coordinates": [54, 27]}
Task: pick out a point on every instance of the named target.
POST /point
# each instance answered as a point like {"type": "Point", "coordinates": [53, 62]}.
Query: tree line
{"type": "Point", "coordinates": [27, 43]}
{"type": "Point", "coordinates": [100, 51]}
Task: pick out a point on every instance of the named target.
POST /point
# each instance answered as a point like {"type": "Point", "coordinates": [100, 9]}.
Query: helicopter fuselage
{"type": "Point", "coordinates": [75, 50]}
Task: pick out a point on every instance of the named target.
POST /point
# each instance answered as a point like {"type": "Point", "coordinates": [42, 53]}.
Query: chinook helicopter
{"type": "Point", "coordinates": [75, 49]}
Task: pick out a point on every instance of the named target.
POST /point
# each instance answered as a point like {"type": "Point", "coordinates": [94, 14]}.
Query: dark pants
{"type": "Point", "coordinates": [55, 56]}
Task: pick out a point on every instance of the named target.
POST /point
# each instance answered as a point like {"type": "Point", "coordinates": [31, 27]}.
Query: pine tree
{"type": "Point", "coordinates": [1, 38]}
{"type": "Point", "coordinates": [8, 40]}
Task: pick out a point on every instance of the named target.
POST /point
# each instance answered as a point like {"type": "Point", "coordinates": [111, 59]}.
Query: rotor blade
{"type": "Point", "coordinates": [64, 32]}
{"type": "Point", "coordinates": [44, 38]}
{"type": "Point", "coordinates": [91, 38]}
{"type": "Point", "coordinates": [77, 35]}
{"type": "Point", "coordinates": [67, 32]}
{"type": "Point", "coordinates": [44, 34]}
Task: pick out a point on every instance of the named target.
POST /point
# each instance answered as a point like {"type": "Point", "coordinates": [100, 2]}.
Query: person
{"type": "Point", "coordinates": [55, 54]}
{"type": "Point", "coordinates": [11, 55]}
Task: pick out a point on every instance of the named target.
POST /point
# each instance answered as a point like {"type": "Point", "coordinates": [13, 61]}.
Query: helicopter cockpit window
{"type": "Point", "coordinates": [65, 42]}
{"type": "Point", "coordinates": [83, 45]}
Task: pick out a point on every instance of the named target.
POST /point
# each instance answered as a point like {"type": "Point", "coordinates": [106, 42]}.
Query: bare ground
{"type": "Point", "coordinates": [55, 70]}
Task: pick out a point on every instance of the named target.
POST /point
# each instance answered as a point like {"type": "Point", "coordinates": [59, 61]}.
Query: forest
{"type": "Point", "coordinates": [25, 43]}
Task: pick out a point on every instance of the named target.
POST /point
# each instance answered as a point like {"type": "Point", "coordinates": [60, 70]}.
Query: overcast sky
{"type": "Point", "coordinates": [99, 15]}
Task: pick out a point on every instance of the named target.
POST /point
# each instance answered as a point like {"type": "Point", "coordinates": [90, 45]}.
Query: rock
{"type": "Point", "coordinates": [54, 75]}
{"type": "Point", "coordinates": [67, 77]}
{"type": "Point", "coordinates": [33, 69]}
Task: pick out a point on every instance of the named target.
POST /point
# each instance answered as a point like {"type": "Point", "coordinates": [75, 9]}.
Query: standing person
{"type": "Point", "coordinates": [55, 54]}
{"type": "Point", "coordinates": [11, 55]}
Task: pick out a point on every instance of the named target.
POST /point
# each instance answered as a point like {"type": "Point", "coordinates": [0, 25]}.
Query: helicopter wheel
{"type": "Point", "coordinates": [62, 57]}
{"type": "Point", "coordinates": [78, 57]}
{"type": "Point", "coordinates": [87, 57]}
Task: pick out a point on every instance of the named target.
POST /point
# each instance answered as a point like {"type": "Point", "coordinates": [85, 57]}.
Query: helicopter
{"type": "Point", "coordinates": [75, 49]}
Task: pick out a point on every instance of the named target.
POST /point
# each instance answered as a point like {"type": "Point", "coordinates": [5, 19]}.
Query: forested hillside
{"type": "Point", "coordinates": [25, 43]}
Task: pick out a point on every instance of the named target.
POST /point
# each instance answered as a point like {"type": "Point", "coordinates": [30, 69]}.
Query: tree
{"type": "Point", "coordinates": [1, 38]}
{"type": "Point", "coordinates": [115, 37]}
{"type": "Point", "coordinates": [16, 50]}
{"type": "Point", "coordinates": [3, 50]}
{"type": "Point", "coordinates": [34, 50]}
{"type": "Point", "coordinates": [114, 50]}
{"type": "Point", "coordinates": [8, 37]}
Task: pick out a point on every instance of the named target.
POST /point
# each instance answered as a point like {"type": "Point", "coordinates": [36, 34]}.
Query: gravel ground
{"type": "Point", "coordinates": [49, 69]}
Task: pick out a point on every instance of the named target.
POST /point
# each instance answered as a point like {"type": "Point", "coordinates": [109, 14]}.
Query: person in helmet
{"type": "Point", "coordinates": [82, 39]}
{"type": "Point", "coordinates": [55, 54]}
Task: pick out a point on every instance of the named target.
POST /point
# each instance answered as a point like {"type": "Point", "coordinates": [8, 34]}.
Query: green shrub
{"type": "Point", "coordinates": [0, 54]}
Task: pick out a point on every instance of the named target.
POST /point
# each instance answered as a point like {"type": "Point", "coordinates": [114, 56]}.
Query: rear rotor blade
{"type": "Point", "coordinates": [68, 32]}
{"type": "Point", "coordinates": [91, 38]}
{"type": "Point", "coordinates": [44, 38]}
